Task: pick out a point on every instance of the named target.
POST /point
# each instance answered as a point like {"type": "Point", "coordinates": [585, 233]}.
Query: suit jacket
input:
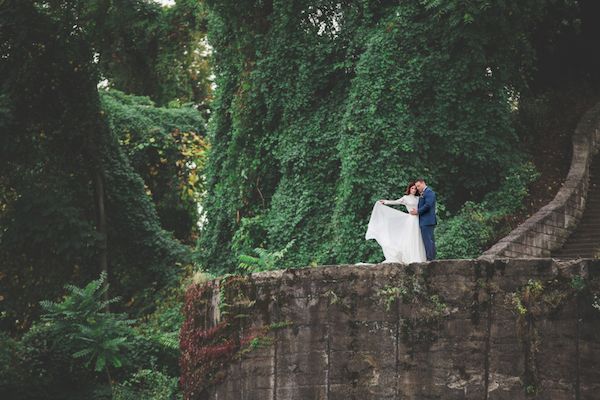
{"type": "Point", "coordinates": [426, 208]}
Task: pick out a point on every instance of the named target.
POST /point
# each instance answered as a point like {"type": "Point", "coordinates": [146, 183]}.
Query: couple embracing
{"type": "Point", "coordinates": [406, 237]}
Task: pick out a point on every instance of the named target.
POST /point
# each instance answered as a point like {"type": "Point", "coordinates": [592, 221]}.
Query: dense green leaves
{"type": "Point", "coordinates": [59, 158]}
{"type": "Point", "coordinates": [82, 321]}
{"type": "Point", "coordinates": [324, 107]}
{"type": "Point", "coordinates": [166, 147]}
{"type": "Point", "coordinates": [149, 50]}
{"type": "Point", "coordinates": [59, 357]}
{"type": "Point", "coordinates": [476, 225]}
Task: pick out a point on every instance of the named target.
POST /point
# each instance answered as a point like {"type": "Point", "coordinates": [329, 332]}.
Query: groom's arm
{"type": "Point", "coordinates": [429, 198]}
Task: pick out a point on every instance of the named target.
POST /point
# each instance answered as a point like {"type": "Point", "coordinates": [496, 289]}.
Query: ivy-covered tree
{"type": "Point", "coordinates": [322, 107]}
{"type": "Point", "coordinates": [71, 202]}
{"type": "Point", "coordinates": [166, 147]}
{"type": "Point", "coordinates": [145, 49]}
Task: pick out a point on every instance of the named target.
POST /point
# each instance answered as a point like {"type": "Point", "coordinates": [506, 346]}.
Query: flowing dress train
{"type": "Point", "coordinates": [397, 232]}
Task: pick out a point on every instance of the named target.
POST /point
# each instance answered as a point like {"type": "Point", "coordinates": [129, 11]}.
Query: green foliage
{"type": "Point", "coordinates": [266, 261]}
{"type": "Point", "coordinates": [252, 233]}
{"type": "Point", "coordinates": [58, 149]}
{"type": "Point", "coordinates": [78, 331]}
{"type": "Point", "coordinates": [578, 283]}
{"type": "Point", "coordinates": [61, 355]}
{"type": "Point", "coordinates": [166, 148]}
{"type": "Point", "coordinates": [148, 384]}
{"type": "Point", "coordinates": [390, 294]}
{"type": "Point", "coordinates": [465, 235]}
{"type": "Point", "coordinates": [155, 342]}
{"type": "Point", "coordinates": [150, 50]}
{"type": "Point", "coordinates": [82, 321]}
{"type": "Point", "coordinates": [477, 225]}
{"type": "Point", "coordinates": [42, 366]}
{"type": "Point", "coordinates": [9, 375]}
{"type": "Point", "coordinates": [321, 109]}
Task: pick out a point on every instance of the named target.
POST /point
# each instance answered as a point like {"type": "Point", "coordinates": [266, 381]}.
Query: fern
{"type": "Point", "coordinates": [266, 261]}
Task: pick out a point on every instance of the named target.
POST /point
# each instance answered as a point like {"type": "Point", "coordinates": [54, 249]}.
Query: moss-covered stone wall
{"type": "Point", "coordinates": [452, 329]}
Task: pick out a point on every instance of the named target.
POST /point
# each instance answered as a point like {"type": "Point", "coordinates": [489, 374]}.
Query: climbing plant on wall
{"type": "Point", "coordinates": [322, 107]}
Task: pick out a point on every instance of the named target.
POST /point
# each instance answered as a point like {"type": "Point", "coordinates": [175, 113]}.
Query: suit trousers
{"type": "Point", "coordinates": [428, 241]}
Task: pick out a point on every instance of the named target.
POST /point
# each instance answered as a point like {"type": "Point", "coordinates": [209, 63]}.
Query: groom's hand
{"type": "Point", "coordinates": [413, 211]}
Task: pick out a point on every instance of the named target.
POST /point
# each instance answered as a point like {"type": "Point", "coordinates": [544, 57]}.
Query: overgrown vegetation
{"type": "Point", "coordinates": [77, 168]}
{"type": "Point", "coordinates": [166, 147]}
{"type": "Point", "coordinates": [207, 349]}
{"type": "Point", "coordinates": [477, 225]}
{"type": "Point", "coordinates": [80, 349]}
{"type": "Point", "coordinates": [321, 109]}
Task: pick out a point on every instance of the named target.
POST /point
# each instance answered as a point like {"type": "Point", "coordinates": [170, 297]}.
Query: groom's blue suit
{"type": "Point", "coordinates": [427, 221]}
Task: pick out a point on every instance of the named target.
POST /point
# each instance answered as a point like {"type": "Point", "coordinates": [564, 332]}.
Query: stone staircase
{"type": "Point", "coordinates": [584, 242]}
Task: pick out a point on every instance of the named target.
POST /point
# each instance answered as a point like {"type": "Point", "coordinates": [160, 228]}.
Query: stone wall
{"type": "Point", "coordinates": [548, 229]}
{"type": "Point", "coordinates": [454, 329]}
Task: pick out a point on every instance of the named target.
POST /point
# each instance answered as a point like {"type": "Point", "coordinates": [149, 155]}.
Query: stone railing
{"type": "Point", "coordinates": [548, 229]}
{"type": "Point", "coordinates": [451, 329]}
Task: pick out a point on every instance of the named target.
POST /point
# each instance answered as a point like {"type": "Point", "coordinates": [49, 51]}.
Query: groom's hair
{"type": "Point", "coordinates": [420, 180]}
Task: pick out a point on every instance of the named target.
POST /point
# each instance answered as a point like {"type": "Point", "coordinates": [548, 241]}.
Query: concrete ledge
{"type": "Point", "coordinates": [448, 329]}
{"type": "Point", "coordinates": [548, 229]}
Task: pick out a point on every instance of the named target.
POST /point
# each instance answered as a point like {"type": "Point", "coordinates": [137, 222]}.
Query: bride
{"type": "Point", "coordinates": [397, 232]}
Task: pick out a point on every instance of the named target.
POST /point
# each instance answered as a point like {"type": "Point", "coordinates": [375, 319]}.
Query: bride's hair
{"type": "Point", "coordinates": [410, 184]}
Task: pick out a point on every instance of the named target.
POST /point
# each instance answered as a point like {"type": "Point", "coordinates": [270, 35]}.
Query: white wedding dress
{"type": "Point", "coordinates": [397, 232]}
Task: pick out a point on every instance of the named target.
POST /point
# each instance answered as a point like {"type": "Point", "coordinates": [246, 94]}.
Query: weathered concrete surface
{"type": "Point", "coordinates": [455, 329]}
{"type": "Point", "coordinates": [548, 229]}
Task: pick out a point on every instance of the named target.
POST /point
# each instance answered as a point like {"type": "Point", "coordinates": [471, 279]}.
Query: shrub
{"type": "Point", "coordinates": [87, 330]}
{"type": "Point", "coordinates": [148, 385]}
{"type": "Point", "coordinates": [478, 225]}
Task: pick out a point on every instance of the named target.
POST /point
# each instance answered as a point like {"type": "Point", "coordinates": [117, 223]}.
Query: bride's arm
{"type": "Point", "coordinates": [394, 202]}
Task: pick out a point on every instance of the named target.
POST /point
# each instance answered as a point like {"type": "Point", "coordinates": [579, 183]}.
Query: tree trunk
{"type": "Point", "coordinates": [101, 224]}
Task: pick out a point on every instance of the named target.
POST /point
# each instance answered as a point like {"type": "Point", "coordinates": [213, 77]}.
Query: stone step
{"type": "Point", "coordinates": [580, 251]}
{"type": "Point", "coordinates": [590, 231]}
{"type": "Point", "coordinates": [590, 241]}
{"type": "Point", "coordinates": [584, 236]}
{"type": "Point", "coordinates": [577, 247]}
{"type": "Point", "coordinates": [589, 227]}
{"type": "Point", "coordinates": [583, 241]}
{"type": "Point", "coordinates": [587, 234]}
{"type": "Point", "coordinates": [572, 256]}
{"type": "Point", "coordinates": [577, 251]}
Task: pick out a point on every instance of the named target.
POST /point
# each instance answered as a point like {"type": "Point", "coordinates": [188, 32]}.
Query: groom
{"type": "Point", "coordinates": [427, 219]}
